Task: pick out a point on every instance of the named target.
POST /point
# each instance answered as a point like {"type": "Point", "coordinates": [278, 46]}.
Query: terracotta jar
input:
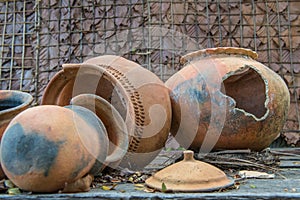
{"type": "Point", "coordinates": [224, 99]}
{"type": "Point", "coordinates": [46, 147]}
{"type": "Point", "coordinates": [137, 94]}
{"type": "Point", "coordinates": [12, 102]}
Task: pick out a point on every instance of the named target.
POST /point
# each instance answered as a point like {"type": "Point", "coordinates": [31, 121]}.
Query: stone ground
{"type": "Point", "coordinates": [285, 185]}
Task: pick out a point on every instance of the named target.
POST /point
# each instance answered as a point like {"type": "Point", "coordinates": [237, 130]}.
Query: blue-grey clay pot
{"type": "Point", "coordinates": [46, 147]}
{"type": "Point", "coordinates": [12, 102]}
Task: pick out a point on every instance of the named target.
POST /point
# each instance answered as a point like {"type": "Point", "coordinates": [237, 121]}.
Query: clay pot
{"type": "Point", "coordinates": [46, 147]}
{"type": "Point", "coordinates": [189, 175]}
{"type": "Point", "coordinates": [136, 93]}
{"type": "Point", "coordinates": [114, 124]}
{"type": "Point", "coordinates": [224, 99]}
{"type": "Point", "coordinates": [12, 102]}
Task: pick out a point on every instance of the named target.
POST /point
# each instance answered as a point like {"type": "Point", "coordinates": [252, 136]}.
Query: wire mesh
{"type": "Point", "coordinates": [17, 66]}
{"type": "Point", "coordinates": [36, 38]}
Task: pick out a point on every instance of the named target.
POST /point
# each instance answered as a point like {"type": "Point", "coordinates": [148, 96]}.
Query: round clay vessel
{"type": "Point", "coordinates": [137, 94]}
{"type": "Point", "coordinates": [189, 175]}
{"type": "Point", "coordinates": [45, 147]}
{"type": "Point", "coordinates": [114, 124]}
{"type": "Point", "coordinates": [12, 102]}
{"type": "Point", "coordinates": [224, 99]}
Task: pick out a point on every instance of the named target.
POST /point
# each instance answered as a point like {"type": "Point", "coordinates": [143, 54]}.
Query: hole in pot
{"type": "Point", "coordinates": [248, 89]}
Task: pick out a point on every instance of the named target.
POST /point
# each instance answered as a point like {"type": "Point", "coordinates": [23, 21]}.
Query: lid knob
{"type": "Point", "coordinates": [188, 155]}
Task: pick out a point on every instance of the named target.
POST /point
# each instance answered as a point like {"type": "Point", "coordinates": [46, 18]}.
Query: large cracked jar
{"type": "Point", "coordinates": [224, 99]}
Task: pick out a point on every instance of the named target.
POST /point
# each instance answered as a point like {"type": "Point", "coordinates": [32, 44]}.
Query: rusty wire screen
{"type": "Point", "coordinates": [36, 38]}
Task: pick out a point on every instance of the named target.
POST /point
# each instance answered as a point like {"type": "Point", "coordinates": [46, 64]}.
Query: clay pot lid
{"type": "Point", "coordinates": [189, 175]}
{"type": "Point", "coordinates": [220, 50]}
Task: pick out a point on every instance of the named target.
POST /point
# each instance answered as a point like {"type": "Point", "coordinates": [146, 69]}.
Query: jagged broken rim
{"type": "Point", "coordinates": [219, 50]}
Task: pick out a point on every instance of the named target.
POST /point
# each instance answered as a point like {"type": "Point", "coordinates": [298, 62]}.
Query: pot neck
{"type": "Point", "coordinates": [218, 51]}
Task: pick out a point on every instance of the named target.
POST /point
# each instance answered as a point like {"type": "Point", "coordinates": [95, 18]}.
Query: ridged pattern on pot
{"type": "Point", "coordinates": [138, 95]}
{"type": "Point", "coordinates": [137, 106]}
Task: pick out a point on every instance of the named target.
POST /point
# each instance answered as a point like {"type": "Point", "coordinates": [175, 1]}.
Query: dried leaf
{"type": "Point", "coordinates": [252, 186]}
{"type": "Point", "coordinates": [138, 188]}
{"type": "Point", "coordinates": [111, 187]}
{"type": "Point", "coordinates": [9, 184]}
{"type": "Point", "coordinates": [139, 185]}
{"type": "Point", "coordinates": [295, 7]}
{"type": "Point", "coordinates": [237, 185]}
{"type": "Point", "coordinates": [13, 191]}
{"type": "Point", "coordinates": [292, 138]}
{"type": "Point", "coordinates": [149, 190]}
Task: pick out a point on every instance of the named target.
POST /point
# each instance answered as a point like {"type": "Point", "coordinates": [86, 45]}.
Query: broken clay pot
{"type": "Point", "coordinates": [224, 99]}
{"type": "Point", "coordinates": [139, 96]}
{"type": "Point", "coordinates": [115, 127]}
{"type": "Point", "coordinates": [46, 147]}
{"type": "Point", "coordinates": [189, 175]}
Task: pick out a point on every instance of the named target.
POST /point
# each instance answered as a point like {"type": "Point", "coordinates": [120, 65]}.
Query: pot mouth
{"type": "Point", "coordinates": [13, 100]}
{"type": "Point", "coordinates": [219, 50]}
{"type": "Point", "coordinates": [86, 78]}
{"type": "Point", "coordinates": [254, 102]}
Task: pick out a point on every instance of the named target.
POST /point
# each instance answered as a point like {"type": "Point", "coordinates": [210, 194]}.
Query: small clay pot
{"type": "Point", "coordinates": [137, 94]}
{"type": "Point", "coordinates": [224, 99]}
{"type": "Point", "coordinates": [114, 124]}
{"type": "Point", "coordinates": [45, 147]}
{"type": "Point", "coordinates": [12, 102]}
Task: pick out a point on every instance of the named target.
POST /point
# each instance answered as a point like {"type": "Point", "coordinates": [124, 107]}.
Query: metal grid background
{"type": "Point", "coordinates": [36, 38]}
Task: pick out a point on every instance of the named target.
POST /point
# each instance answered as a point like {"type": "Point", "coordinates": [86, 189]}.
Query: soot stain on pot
{"type": "Point", "coordinates": [195, 89]}
{"type": "Point", "coordinates": [30, 152]}
{"type": "Point", "coordinates": [84, 161]}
